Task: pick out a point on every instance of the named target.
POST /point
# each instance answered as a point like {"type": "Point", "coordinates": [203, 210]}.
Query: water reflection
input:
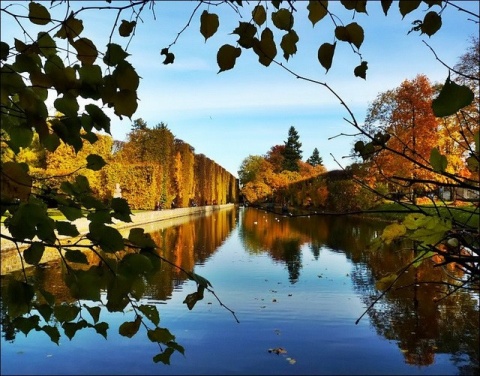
{"type": "Point", "coordinates": [416, 314]}
{"type": "Point", "coordinates": [407, 316]}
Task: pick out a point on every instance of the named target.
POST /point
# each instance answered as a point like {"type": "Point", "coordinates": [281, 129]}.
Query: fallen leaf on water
{"type": "Point", "coordinates": [277, 350]}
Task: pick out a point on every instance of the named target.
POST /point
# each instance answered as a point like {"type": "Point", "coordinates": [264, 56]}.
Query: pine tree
{"type": "Point", "coordinates": [292, 153]}
{"type": "Point", "coordinates": [315, 159]}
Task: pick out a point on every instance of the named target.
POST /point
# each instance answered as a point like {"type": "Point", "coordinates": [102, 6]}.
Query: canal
{"type": "Point", "coordinates": [288, 293]}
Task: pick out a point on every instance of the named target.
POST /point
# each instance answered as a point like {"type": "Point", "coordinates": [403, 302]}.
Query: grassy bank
{"type": "Point", "coordinates": [466, 214]}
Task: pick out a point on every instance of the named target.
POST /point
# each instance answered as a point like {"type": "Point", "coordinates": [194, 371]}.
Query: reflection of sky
{"type": "Point", "coordinates": [313, 320]}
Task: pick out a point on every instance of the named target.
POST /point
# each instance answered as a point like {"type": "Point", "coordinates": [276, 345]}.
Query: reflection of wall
{"type": "Point", "coordinates": [186, 245]}
{"type": "Point", "coordinates": [184, 241]}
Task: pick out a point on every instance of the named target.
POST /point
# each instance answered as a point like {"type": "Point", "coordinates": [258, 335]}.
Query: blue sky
{"type": "Point", "coordinates": [245, 111]}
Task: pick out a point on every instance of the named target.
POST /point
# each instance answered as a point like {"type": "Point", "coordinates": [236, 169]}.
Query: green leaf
{"type": "Point", "coordinates": [193, 298]}
{"type": "Point", "coordinates": [432, 230]}
{"type": "Point", "coordinates": [66, 312]}
{"type": "Point", "coordinates": [76, 256]}
{"type": "Point", "coordinates": [151, 312]}
{"type": "Point", "coordinates": [317, 10]}
{"type": "Point", "coordinates": [160, 335]}
{"type": "Point", "coordinates": [176, 346]}
{"type": "Point", "coordinates": [45, 310]}
{"type": "Point", "coordinates": [431, 23]}
{"type": "Point", "coordinates": [208, 24]}
{"type": "Point", "coordinates": [361, 70]}
{"type": "Point", "coordinates": [67, 105]}
{"type": "Point", "coordinates": [386, 5]}
{"type": "Point", "coordinates": [121, 209]}
{"type": "Point", "coordinates": [227, 56]}
{"type": "Point", "coordinates": [46, 44]}
{"type": "Point", "coordinates": [20, 137]}
{"type": "Point", "coordinates": [86, 50]}
{"type": "Point", "coordinates": [71, 28]}
{"type": "Point", "coordinates": [33, 254]}
{"type": "Point", "coordinates": [414, 221]}
{"type": "Point", "coordinates": [265, 48]}
{"type": "Point", "coordinates": [276, 3]}
{"type": "Point", "coordinates": [18, 298]}
{"type": "Point", "coordinates": [352, 33]}
{"type": "Point", "coordinates": [52, 332]}
{"type": "Point", "coordinates": [201, 281]}
{"type": "Point", "coordinates": [114, 55]}
{"type": "Point", "coordinates": [393, 232]}
{"type": "Point", "coordinates": [246, 31]}
{"type": "Point", "coordinates": [140, 239]}
{"type": "Point", "coordinates": [126, 28]}
{"type": "Point", "coordinates": [70, 328]}
{"type": "Point", "coordinates": [4, 51]}
{"type": "Point", "coordinates": [283, 19]}
{"type": "Point", "coordinates": [438, 161]}
{"type": "Point", "coordinates": [289, 44]}
{"type": "Point", "coordinates": [49, 297]}
{"type": "Point", "coordinates": [130, 328]}
{"type": "Point", "coordinates": [259, 15]}
{"type": "Point", "coordinates": [325, 54]}
{"type": "Point", "coordinates": [38, 14]}
{"type": "Point", "coordinates": [16, 182]}
{"type": "Point", "coordinates": [95, 162]}
{"type": "Point", "coordinates": [94, 312]}
{"type": "Point", "coordinates": [431, 3]}
{"type": "Point", "coordinates": [26, 324]}
{"type": "Point", "coordinates": [126, 77]}
{"type": "Point", "coordinates": [30, 220]}
{"type": "Point", "coordinates": [164, 357]}
{"type": "Point", "coordinates": [108, 238]}
{"type": "Point", "coordinates": [84, 284]}
{"type": "Point", "coordinates": [137, 288]}
{"type": "Point", "coordinates": [28, 63]}
{"type": "Point", "coordinates": [101, 328]}
{"type": "Point", "coordinates": [452, 98]}
{"type": "Point", "coordinates": [66, 228]}
{"type": "Point", "coordinates": [70, 212]}
{"type": "Point", "coordinates": [169, 57]}
{"type": "Point", "coordinates": [125, 103]}
{"type": "Point", "coordinates": [100, 120]}
{"type": "Point", "coordinates": [51, 142]}
{"type": "Point", "coordinates": [407, 6]}
{"type": "Point", "coordinates": [358, 6]}
{"type": "Point", "coordinates": [135, 264]}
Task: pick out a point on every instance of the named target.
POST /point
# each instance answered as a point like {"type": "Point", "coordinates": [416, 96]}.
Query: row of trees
{"type": "Point", "coordinates": [152, 168]}
{"type": "Point", "coordinates": [399, 153]}
{"type": "Point", "coordinates": [267, 177]}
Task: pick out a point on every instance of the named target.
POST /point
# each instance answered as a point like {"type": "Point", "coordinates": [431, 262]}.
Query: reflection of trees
{"type": "Point", "coordinates": [183, 245]}
{"type": "Point", "coordinates": [186, 245]}
{"type": "Point", "coordinates": [409, 315]}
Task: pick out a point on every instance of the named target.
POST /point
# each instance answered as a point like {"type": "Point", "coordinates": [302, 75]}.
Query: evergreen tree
{"type": "Point", "coordinates": [315, 159]}
{"type": "Point", "coordinates": [292, 153]}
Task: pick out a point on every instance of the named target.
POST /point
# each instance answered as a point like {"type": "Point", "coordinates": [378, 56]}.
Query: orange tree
{"type": "Point", "coordinates": [57, 58]}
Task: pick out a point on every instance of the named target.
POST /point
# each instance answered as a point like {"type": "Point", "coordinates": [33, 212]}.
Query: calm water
{"type": "Point", "coordinates": [297, 286]}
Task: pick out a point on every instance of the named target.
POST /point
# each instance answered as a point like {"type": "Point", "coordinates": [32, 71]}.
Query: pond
{"type": "Point", "coordinates": [297, 287]}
